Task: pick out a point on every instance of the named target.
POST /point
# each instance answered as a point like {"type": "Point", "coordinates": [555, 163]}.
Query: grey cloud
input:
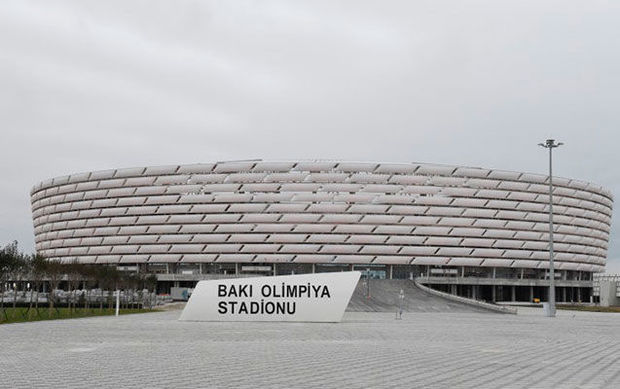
{"type": "Point", "coordinates": [90, 85]}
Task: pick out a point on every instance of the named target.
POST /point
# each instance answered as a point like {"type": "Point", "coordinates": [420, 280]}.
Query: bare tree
{"type": "Point", "coordinates": [103, 280]}
{"type": "Point", "coordinates": [55, 272]}
{"type": "Point", "coordinates": [131, 282]}
{"type": "Point", "coordinates": [28, 274]}
{"type": "Point", "coordinates": [13, 266]}
{"type": "Point", "coordinates": [8, 262]}
{"type": "Point", "coordinates": [107, 278]}
{"type": "Point", "coordinates": [151, 286]}
{"type": "Point", "coordinates": [89, 278]}
{"type": "Point", "coordinates": [74, 275]}
{"type": "Point", "coordinates": [114, 278]}
{"type": "Point", "coordinates": [18, 270]}
{"type": "Point", "coordinates": [38, 266]}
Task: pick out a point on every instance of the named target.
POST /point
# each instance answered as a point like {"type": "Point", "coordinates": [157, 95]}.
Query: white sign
{"type": "Point", "coordinates": [318, 297]}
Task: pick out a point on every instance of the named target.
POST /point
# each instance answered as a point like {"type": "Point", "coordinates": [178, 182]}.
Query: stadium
{"type": "Point", "coordinates": [473, 232]}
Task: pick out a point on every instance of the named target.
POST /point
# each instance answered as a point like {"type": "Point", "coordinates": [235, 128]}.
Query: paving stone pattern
{"type": "Point", "coordinates": [366, 350]}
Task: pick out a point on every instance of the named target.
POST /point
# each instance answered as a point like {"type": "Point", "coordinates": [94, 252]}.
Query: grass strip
{"type": "Point", "coordinates": [23, 314]}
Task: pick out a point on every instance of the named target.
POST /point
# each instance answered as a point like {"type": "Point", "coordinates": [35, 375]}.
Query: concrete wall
{"type": "Point", "coordinates": [463, 300]}
{"type": "Point", "coordinates": [609, 294]}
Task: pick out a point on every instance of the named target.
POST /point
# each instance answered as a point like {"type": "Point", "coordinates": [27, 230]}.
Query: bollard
{"type": "Point", "coordinates": [118, 296]}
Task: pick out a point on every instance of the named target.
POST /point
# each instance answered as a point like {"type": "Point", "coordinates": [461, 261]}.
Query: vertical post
{"type": "Point", "coordinates": [551, 144]}
{"type": "Point", "coordinates": [551, 267]}
{"type": "Point", "coordinates": [368, 282]}
{"type": "Point", "coordinates": [118, 297]}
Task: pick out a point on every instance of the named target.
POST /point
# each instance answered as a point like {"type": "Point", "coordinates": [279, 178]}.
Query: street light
{"type": "Point", "coordinates": [551, 144]}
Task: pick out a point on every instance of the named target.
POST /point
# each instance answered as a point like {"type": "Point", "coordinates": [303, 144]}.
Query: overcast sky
{"type": "Point", "coordinates": [87, 85]}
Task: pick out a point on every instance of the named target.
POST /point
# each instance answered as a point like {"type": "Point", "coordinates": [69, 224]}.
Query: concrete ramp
{"type": "Point", "coordinates": [384, 297]}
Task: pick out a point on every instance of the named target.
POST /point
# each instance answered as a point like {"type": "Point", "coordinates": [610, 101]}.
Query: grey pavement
{"type": "Point", "coordinates": [368, 349]}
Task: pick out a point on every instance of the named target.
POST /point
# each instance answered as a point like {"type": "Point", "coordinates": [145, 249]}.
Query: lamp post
{"type": "Point", "coordinates": [551, 144]}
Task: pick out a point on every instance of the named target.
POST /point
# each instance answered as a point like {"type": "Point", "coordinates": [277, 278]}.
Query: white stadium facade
{"type": "Point", "coordinates": [475, 232]}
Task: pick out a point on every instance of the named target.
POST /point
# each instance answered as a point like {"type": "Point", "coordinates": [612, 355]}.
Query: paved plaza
{"type": "Point", "coordinates": [368, 349]}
